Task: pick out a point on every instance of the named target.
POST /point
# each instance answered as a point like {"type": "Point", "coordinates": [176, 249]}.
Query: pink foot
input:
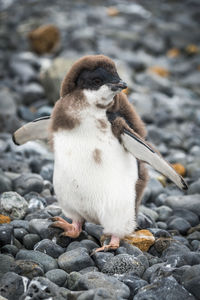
{"type": "Point", "coordinates": [71, 230]}
{"type": "Point", "coordinates": [113, 245]}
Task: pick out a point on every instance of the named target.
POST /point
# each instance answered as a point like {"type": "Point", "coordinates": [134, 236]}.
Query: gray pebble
{"type": "Point", "coordinates": [27, 183]}
{"type": "Point", "coordinates": [30, 240]}
{"type": "Point", "coordinates": [57, 276]}
{"type": "Point", "coordinates": [179, 224]}
{"type": "Point", "coordinates": [49, 247]}
{"type": "Point", "coordinates": [13, 205]}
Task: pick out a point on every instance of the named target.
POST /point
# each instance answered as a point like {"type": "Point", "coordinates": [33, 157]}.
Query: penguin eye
{"type": "Point", "coordinates": [97, 81]}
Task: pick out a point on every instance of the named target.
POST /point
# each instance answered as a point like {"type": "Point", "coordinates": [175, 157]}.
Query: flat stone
{"type": "Point", "coordinates": [47, 262]}
{"type": "Point", "coordinates": [13, 205]}
{"type": "Point", "coordinates": [75, 260]}
{"type": "Point", "coordinates": [143, 239]}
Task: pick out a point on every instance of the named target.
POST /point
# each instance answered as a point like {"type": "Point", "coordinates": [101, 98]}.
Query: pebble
{"type": "Point", "coordinates": [57, 276]}
{"type": "Point", "coordinates": [190, 280]}
{"type": "Point", "coordinates": [189, 202]}
{"type": "Point", "coordinates": [27, 268]}
{"type": "Point", "coordinates": [5, 263]}
{"type": "Point", "coordinates": [48, 247]}
{"type": "Point", "coordinates": [179, 224]}
{"type": "Point", "coordinates": [19, 233]}
{"type": "Point", "coordinates": [6, 234]}
{"type": "Point", "coordinates": [30, 240]}
{"type": "Point", "coordinates": [164, 212]}
{"type": "Point", "coordinates": [102, 258]}
{"type": "Point", "coordinates": [32, 92]}
{"type": "Point", "coordinates": [13, 205]}
{"type": "Point", "coordinates": [75, 260]}
{"type": "Point", "coordinates": [194, 188]}
{"type": "Point", "coordinates": [9, 249]}
{"type": "Point", "coordinates": [133, 282]}
{"type": "Point", "coordinates": [45, 260]}
{"type": "Point", "coordinates": [187, 215]}
{"type": "Point", "coordinates": [27, 183]}
{"type": "Point", "coordinates": [5, 183]}
{"type": "Point", "coordinates": [94, 230]}
{"type": "Point", "coordinates": [12, 286]}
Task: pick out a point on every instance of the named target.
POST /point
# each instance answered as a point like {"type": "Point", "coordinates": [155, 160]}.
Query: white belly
{"type": "Point", "coordinates": [101, 190]}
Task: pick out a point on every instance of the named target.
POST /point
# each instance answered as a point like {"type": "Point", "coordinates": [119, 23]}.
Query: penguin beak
{"type": "Point", "coordinates": [121, 85]}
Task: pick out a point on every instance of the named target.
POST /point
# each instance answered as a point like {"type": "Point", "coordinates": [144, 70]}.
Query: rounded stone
{"type": "Point", "coordinates": [13, 205]}
{"type": "Point", "coordinates": [179, 224]}
{"type": "Point", "coordinates": [27, 268]}
{"type": "Point", "coordinates": [49, 247]}
{"type": "Point", "coordinates": [57, 276]}
{"type": "Point", "coordinates": [28, 182]}
{"type": "Point", "coordinates": [30, 240]}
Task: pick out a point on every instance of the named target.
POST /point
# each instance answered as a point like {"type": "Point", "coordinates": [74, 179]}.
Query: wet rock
{"type": "Point", "coordinates": [145, 222]}
{"type": "Point", "coordinates": [88, 269]}
{"type": "Point", "coordinates": [187, 215]}
{"type": "Point", "coordinates": [75, 260]}
{"type": "Point", "coordinates": [30, 240]}
{"type": "Point", "coordinates": [89, 245]}
{"type": "Point", "coordinates": [20, 224]}
{"type": "Point", "coordinates": [133, 282]}
{"type": "Point", "coordinates": [47, 262]}
{"type": "Point", "coordinates": [27, 183]}
{"type": "Point", "coordinates": [6, 234]}
{"type": "Point", "coordinates": [57, 276]}
{"type": "Point", "coordinates": [50, 248]}
{"type": "Point", "coordinates": [29, 269]}
{"type": "Point", "coordinates": [148, 212]}
{"type": "Point", "coordinates": [179, 224]}
{"type": "Point", "coordinates": [190, 280]}
{"type": "Point", "coordinates": [19, 233]}
{"type": "Point", "coordinates": [95, 280]}
{"type": "Point", "coordinates": [32, 92]}
{"type": "Point", "coordinates": [13, 205]}
{"type": "Point", "coordinates": [164, 286]}
{"type": "Point", "coordinates": [124, 263]}
{"type": "Point", "coordinates": [194, 188]}
{"type": "Point", "coordinates": [194, 236]}
{"type": "Point", "coordinates": [22, 71]}
{"type": "Point", "coordinates": [5, 183]}
{"type": "Point", "coordinates": [130, 249]}
{"type": "Point", "coordinates": [9, 249]}
{"type": "Point", "coordinates": [5, 263]}
{"type": "Point", "coordinates": [43, 229]}
{"type": "Point", "coordinates": [12, 286]}
{"type": "Point", "coordinates": [94, 230]}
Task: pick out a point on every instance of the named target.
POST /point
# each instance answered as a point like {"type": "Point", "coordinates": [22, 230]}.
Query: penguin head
{"type": "Point", "coordinates": [96, 76]}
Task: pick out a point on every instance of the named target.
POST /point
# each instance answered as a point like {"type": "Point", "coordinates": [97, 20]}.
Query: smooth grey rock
{"type": "Point", "coordinates": [101, 258]}
{"type": "Point", "coordinates": [19, 233]}
{"type": "Point", "coordinates": [190, 202]}
{"type": "Point", "coordinates": [164, 212]}
{"type": "Point", "coordinates": [190, 280]}
{"type": "Point", "coordinates": [9, 249]}
{"type": "Point", "coordinates": [12, 286]}
{"type": "Point", "coordinates": [20, 224]}
{"type": "Point", "coordinates": [162, 287]}
{"type": "Point", "coordinates": [145, 222]}
{"type": "Point", "coordinates": [57, 276]}
{"type": "Point", "coordinates": [5, 183]}
{"type": "Point", "coordinates": [187, 215]}
{"type": "Point", "coordinates": [30, 240]}
{"type": "Point", "coordinates": [49, 247]}
{"type": "Point", "coordinates": [133, 282]}
{"type": "Point", "coordinates": [43, 229]}
{"type": "Point", "coordinates": [13, 205]}
{"type": "Point", "coordinates": [75, 260]}
{"type": "Point", "coordinates": [148, 212]}
{"type": "Point", "coordinates": [179, 224]}
{"type": "Point", "coordinates": [32, 92]}
{"type": "Point", "coordinates": [5, 263]}
{"type": "Point", "coordinates": [27, 268]}
{"type": "Point", "coordinates": [94, 230]}
{"type": "Point", "coordinates": [95, 280]}
{"type": "Point", "coordinates": [45, 260]}
{"type": "Point", "coordinates": [27, 183]}
{"type": "Point", "coordinates": [194, 188]}
{"type": "Point", "coordinates": [194, 236]}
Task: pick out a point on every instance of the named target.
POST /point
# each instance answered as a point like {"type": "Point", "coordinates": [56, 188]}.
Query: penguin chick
{"type": "Point", "coordinates": [95, 177]}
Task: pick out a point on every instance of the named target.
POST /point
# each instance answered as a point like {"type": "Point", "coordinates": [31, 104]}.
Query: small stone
{"type": "Point", "coordinates": [164, 212]}
{"type": "Point", "coordinates": [6, 234]}
{"type": "Point", "coordinates": [30, 240]}
{"type": "Point", "coordinates": [48, 247]}
{"type": "Point", "coordinates": [101, 258]}
{"type": "Point", "coordinates": [9, 249]}
{"type": "Point", "coordinates": [180, 169]}
{"type": "Point", "coordinates": [43, 229]}
{"type": "Point", "coordinates": [194, 236]}
{"type": "Point", "coordinates": [194, 188]}
{"type": "Point", "coordinates": [123, 263]}
{"type": "Point", "coordinates": [161, 225]}
{"type": "Point", "coordinates": [148, 212]}
{"type": "Point", "coordinates": [187, 215]}
{"type": "Point", "coordinates": [145, 222]}
{"type": "Point", "coordinates": [160, 71]}
{"type": "Point", "coordinates": [57, 276]}
{"type": "Point", "coordinates": [174, 52]}
{"type": "Point", "coordinates": [5, 263]}
{"type": "Point", "coordinates": [179, 224]}
{"type": "Point", "coordinates": [5, 183]}
{"type": "Point", "coordinates": [75, 260]}
{"type": "Point", "coordinates": [94, 230]}
{"type": "Point", "coordinates": [44, 39]}
{"type": "Point", "coordinates": [45, 260]}
{"type": "Point", "coordinates": [20, 224]}
{"type": "Point", "coordinates": [12, 286]}
{"type": "Point", "coordinates": [4, 219]}
{"type": "Point", "coordinates": [29, 269]}
{"type": "Point", "coordinates": [19, 233]}
{"type": "Point", "coordinates": [192, 49]}
{"type": "Point", "coordinates": [13, 205]}
{"type": "Point", "coordinates": [88, 269]}
{"type": "Point", "coordinates": [133, 282]}
{"type": "Point", "coordinates": [112, 11]}
{"type": "Point", "coordinates": [143, 239]}
{"type": "Point", "coordinates": [189, 202]}
{"type": "Point", "coordinates": [27, 183]}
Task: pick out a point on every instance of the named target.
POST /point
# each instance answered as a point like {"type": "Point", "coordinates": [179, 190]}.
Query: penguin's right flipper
{"type": "Point", "coordinates": [35, 130]}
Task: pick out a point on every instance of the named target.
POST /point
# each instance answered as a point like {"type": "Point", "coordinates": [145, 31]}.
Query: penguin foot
{"type": "Point", "coordinates": [113, 245]}
{"type": "Point", "coordinates": [71, 230]}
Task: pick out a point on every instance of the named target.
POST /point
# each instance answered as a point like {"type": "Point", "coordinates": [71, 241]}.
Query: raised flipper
{"type": "Point", "coordinates": [35, 130]}
{"type": "Point", "coordinates": [142, 151]}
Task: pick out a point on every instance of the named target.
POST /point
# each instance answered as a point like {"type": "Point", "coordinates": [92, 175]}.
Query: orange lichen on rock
{"type": "Point", "coordinates": [174, 52]}
{"type": "Point", "coordinates": [44, 39]}
{"type": "Point", "coordinates": [4, 219]}
{"type": "Point", "coordinates": [179, 168]}
{"type": "Point", "coordinates": [112, 11]}
{"type": "Point", "coordinates": [143, 239]}
{"type": "Point", "coordinates": [160, 71]}
{"type": "Point", "coordinates": [192, 49]}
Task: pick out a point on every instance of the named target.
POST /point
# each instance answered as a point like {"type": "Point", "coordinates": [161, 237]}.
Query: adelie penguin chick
{"type": "Point", "coordinates": [99, 147]}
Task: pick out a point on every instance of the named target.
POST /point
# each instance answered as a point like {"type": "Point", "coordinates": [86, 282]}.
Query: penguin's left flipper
{"type": "Point", "coordinates": [142, 151]}
{"type": "Point", "coordinates": [35, 130]}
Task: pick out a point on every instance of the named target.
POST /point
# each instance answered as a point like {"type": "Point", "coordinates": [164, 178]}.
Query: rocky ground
{"type": "Point", "coordinates": [157, 50]}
